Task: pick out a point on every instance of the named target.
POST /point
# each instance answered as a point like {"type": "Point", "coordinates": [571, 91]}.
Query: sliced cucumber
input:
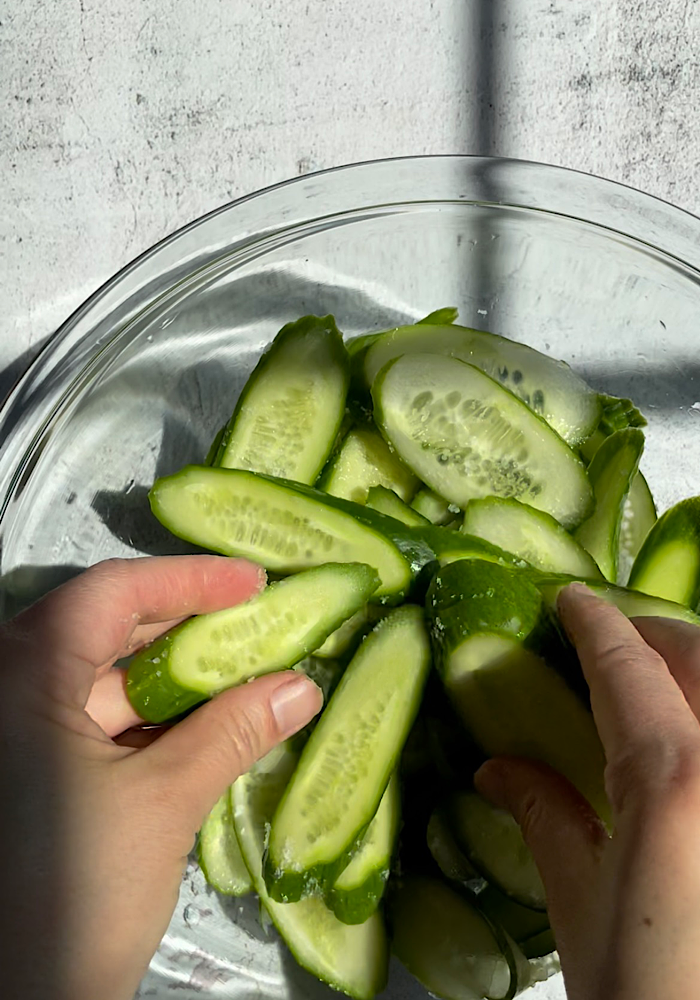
{"type": "Point", "coordinates": [529, 928]}
{"type": "Point", "coordinates": [611, 472]}
{"type": "Point", "coordinates": [220, 856]}
{"type": "Point", "coordinates": [352, 959]}
{"type": "Point", "coordinates": [433, 508]}
{"type": "Point", "coordinates": [388, 502]}
{"type": "Point", "coordinates": [467, 437]}
{"type": "Point", "coordinates": [668, 565]}
{"type": "Point", "coordinates": [483, 618]}
{"type": "Point", "coordinates": [491, 840]}
{"type": "Point", "coordinates": [638, 518]}
{"type": "Point", "coordinates": [364, 460]}
{"type": "Point", "coordinates": [448, 855]}
{"type": "Point", "coordinates": [449, 945]}
{"type": "Point", "coordinates": [289, 412]}
{"type": "Point", "coordinates": [273, 631]}
{"type": "Point", "coordinates": [324, 672]}
{"type": "Point", "coordinates": [632, 603]}
{"type": "Point", "coordinates": [345, 766]}
{"type": "Point", "coordinates": [440, 317]}
{"type": "Point", "coordinates": [549, 387]}
{"type": "Point", "coordinates": [531, 534]}
{"type": "Point", "coordinates": [283, 527]}
{"type": "Point", "coordinates": [347, 636]}
{"type": "Point", "coordinates": [358, 890]}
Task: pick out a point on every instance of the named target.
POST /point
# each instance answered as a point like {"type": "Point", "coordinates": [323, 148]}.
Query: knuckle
{"type": "Point", "coordinates": [245, 733]}
{"type": "Point", "coordinates": [661, 773]}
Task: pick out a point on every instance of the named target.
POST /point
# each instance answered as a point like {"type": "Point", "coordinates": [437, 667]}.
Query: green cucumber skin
{"type": "Point", "coordinates": [618, 456]}
{"type": "Point", "coordinates": [388, 502]}
{"type": "Point", "coordinates": [680, 524]}
{"type": "Point", "coordinates": [239, 883]}
{"type": "Point", "coordinates": [521, 922]}
{"type": "Point", "coordinates": [307, 326]}
{"type": "Point", "coordinates": [459, 487]}
{"type": "Point", "coordinates": [288, 885]}
{"type": "Point", "coordinates": [632, 603]}
{"type": "Point", "coordinates": [237, 481]}
{"type": "Point", "coordinates": [157, 695]}
{"type": "Point", "coordinates": [433, 508]}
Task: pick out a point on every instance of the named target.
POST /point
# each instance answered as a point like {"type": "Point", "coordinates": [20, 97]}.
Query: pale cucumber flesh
{"type": "Point", "coordinates": [668, 564]}
{"type": "Point", "coordinates": [466, 437]}
{"type": "Point", "coordinates": [220, 855]}
{"type": "Point", "coordinates": [365, 460]}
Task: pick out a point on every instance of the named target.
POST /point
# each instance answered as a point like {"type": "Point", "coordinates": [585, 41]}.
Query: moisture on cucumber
{"type": "Point", "coordinates": [467, 437]}
{"type": "Point", "coordinates": [289, 412]}
{"type": "Point", "coordinates": [668, 564]}
{"type": "Point", "coordinates": [611, 472]}
{"type": "Point", "coordinates": [531, 534]}
{"type": "Point", "coordinates": [548, 387]}
{"type": "Point", "coordinates": [219, 853]}
{"type": "Point", "coordinates": [351, 958]}
{"type": "Point", "coordinates": [364, 460]}
{"type": "Point", "coordinates": [273, 631]}
{"type": "Point", "coordinates": [284, 528]}
{"type": "Point", "coordinates": [357, 891]}
{"type": "Point", "coordinates": [345, 766]}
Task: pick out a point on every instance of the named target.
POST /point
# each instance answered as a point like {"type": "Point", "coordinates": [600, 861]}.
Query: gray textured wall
{"type": "Point", "coordinates": [124, 120]}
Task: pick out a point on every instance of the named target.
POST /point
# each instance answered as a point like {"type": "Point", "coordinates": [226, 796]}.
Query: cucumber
{"type": "Point", "coordinates": [346, 637]}
{"type": "Point", "coordinates": [220, 856]}
{"type": "Point", "coordinates": [284, 526]}
{"type": "Point", "coordinates": [351, 958]}
{"type": "Point", "coordinates": [345, 766]}
{"type": "Point", "coordinates": [491, 840]}
{"type": "Point", "coordinates": [364, 460]}
{"type": "Point", "coordinates": [291, 407]}
{"type": "Point", "coordinates": [449, 857]}
{"type": "Point", "coordinates": [638, 518]}
{"type": "Point", "coordinates": [548, 387]}
{"type": "Point", "coordinates": [668, 565]}
{"type": "Point", "coordinates": [487, 623]}
{"type": "Point", "coordinates": [611, 472]}
{"type": "Point", "coordinates": [388, 502]}
{"type": "Point", "coordinates": [449, 546]}
{"type": "Point", "coordinates": [324, 672]}
{"type": "Point", "coordinates": [528, 533]}
{"type": "Point", "coordinates": [528, 928]}
{"type": "Point", "coordinates": [433, 508]}
{"type": "Point", "coordinates": [467, 437]}
{"type": "Point", "coordinates": [277, 628]}
{"type": "Point", "coordinates": [632, 603]}
{"type": "Point", "coordinates": [358, 890]}
{"type": "Point", "coordinates": [449, 945]}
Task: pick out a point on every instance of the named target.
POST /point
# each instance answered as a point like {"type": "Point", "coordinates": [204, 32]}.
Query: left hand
{"type": "Point", "coordinates": [95, 834]}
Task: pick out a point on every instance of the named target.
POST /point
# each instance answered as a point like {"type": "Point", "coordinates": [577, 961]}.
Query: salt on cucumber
{"type": "Point", "coordinates": [291, 407]}
{"type": "Point", "coordinates": [351, 958]}
{"type": "Point", "coordinates": [467, 437]}
{"type": "Point", "coordinates": [486, 624]}
{"type": "Point", "coordinates": [286, 527]}
{"type": "Point", "coordinates": [273, 631]}
{"type": "Point", "coordinates": [364, 460]}
{"type": "Point", "coordinates": [548, 387]}
{"type": "Point", "coordinates": [668, 564]}
{"type": "Point", "coordinates": [449, 945]}
{"type": "Point", "coordinates": [638, 518]}
{"type": "Point", "coordinates": [492, 841]}
{"type": "Point", "coordinates": [359, 888]}
{"type": "Point", "coordinates": [386, 501]}
{"type": "Point", "coordinates": [433, 508]}
{"type": "Point", "coordinates": [611, 471]}
{"type": "Point", "coordinates": [531, 534]}
{"type": "Point", "coordinates": [345, 767]}
{"type": "Point", "coordinates": [219, 854]}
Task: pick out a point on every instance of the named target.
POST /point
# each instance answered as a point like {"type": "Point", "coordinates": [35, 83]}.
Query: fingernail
{"type": "Point", "coordinates": [294, 704]}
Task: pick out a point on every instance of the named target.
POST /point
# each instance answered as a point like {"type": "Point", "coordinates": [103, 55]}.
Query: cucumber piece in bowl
{"type": "Point", "coordinates": [219, 853]}
{"type": "Point", "coordinates": [273, 631]}
{"type": "Point", "coordinates": [668, 564]}
{"type": "Point", "coordinates": [291, 408]}
{"type": "Point", "coordinates": [467, 437]}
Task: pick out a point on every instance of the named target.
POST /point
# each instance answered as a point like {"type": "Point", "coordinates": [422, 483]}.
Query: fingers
{"type": "Point", "coordinates": [109, 706]}
{"type": "Point", "coordinates": [199, 758]}
{"type": "Point", "coordinates": [679, 645]}
{"type": "Point", "coordinates": [563, 832]}
{"type": "Point", "coordinates": [88, 622]}
{"type": "Point", "coordinates": [636, 702]}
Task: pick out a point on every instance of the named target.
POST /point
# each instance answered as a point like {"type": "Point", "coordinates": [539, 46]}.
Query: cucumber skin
{"type": "Point", "coordinates": [680, 522]}
{"type": "Point", "coordinates": [289, 886]}
{"type": "Point", "coordinates": [303, 326]}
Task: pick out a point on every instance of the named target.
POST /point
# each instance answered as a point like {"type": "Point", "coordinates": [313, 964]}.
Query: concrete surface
{"type": "Point", "coordinates": [123, 121]}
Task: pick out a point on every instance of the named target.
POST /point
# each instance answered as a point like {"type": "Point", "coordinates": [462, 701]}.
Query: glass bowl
{"type": "Point", "coordinates": [139, 379]}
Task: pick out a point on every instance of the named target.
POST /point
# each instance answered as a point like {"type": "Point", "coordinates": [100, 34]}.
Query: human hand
{"type": "Point", "coordinates": [94, 836]}
{"type": "Point", "coordinates": [625, 909]}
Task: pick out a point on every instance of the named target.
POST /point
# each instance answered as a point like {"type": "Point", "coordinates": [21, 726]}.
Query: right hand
{"type": "Point", "coordinates": [625, 909]}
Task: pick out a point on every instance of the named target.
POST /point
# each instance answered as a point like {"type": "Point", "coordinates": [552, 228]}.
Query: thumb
{"type": "Point", "coordinates": [563, 832]}
{"type": "Point", "coordinates": [196, 760]}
